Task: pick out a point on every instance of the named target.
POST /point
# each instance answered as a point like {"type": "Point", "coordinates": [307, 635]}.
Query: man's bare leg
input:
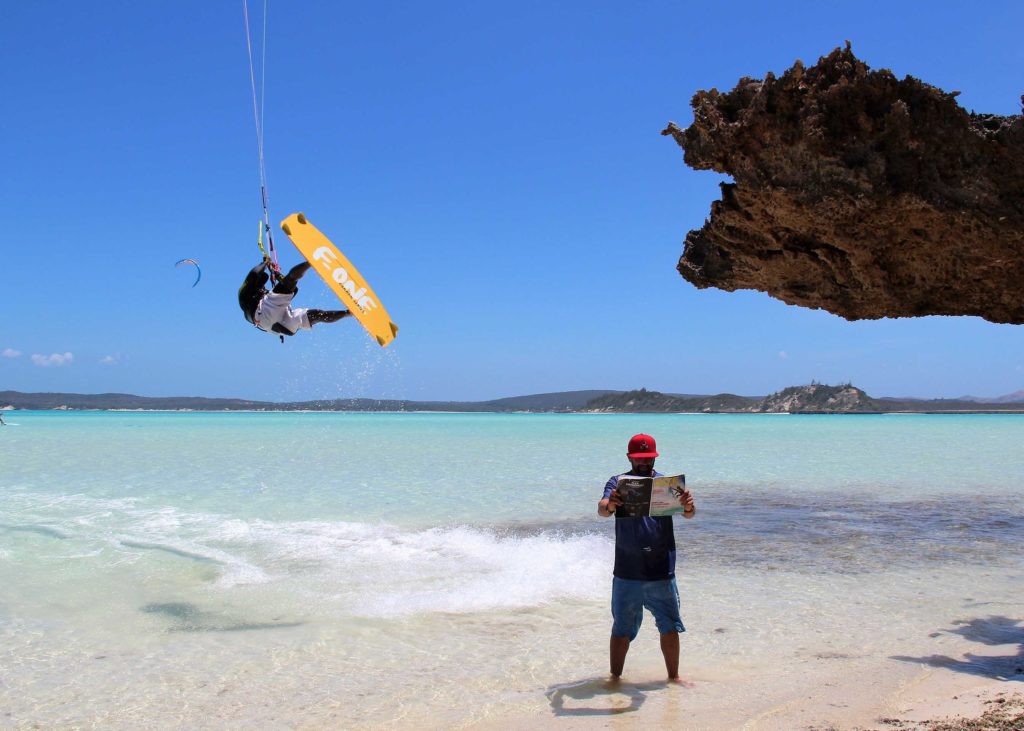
{"type": "Point", "coordinates": [617, 649]}
{"type": "Point", "coordinates": [289, 281]}
{"type": "Point", "coordinates": [670, 649]}
{"type": "Point", "coordinates": [316, 316]}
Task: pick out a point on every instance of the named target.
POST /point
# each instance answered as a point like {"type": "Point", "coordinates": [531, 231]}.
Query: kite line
{"type": "Point", "coordinates": [257, 113]}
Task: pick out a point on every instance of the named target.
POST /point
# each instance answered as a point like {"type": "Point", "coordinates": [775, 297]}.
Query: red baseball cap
{"type": "Point", "coordinates": [642, 445]}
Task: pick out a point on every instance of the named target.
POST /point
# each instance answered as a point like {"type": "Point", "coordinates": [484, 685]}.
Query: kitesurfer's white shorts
{"type": "Point", "coordinates": [276, 308]}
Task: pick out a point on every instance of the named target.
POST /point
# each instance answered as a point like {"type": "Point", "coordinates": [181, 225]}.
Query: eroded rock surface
{"type": "Point", "coordinates": [859, 193]}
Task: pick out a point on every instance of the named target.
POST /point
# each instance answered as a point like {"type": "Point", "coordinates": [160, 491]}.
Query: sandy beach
{"type": "Point", "coordinates": [918, 702]}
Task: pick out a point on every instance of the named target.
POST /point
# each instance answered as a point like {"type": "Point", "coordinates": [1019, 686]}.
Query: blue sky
{"type": "Point", "coordinates": [495, 170]}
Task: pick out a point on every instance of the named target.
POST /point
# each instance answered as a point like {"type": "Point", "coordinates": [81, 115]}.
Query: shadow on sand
{"type": "Point", "coordinates": [610, 692]}
{"type": "Point", "coordinates": [992, 631]}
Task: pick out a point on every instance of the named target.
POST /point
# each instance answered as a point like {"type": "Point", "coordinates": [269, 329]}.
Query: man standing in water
{"type": "Point", "coordinates": [645, 566]}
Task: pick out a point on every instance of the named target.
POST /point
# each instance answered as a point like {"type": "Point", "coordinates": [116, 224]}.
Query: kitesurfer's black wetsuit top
{"type": "Point", "coordinates": [253, 290]}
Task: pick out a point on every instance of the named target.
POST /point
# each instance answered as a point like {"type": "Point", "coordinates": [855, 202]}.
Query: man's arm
{"type": "Point", "coordinates": [686, 500]}
{"type": "Point", "coordinates": [606, 508]}
{"type": "Point", "coordinates": [611, 501]}
{"type": "Point", "coordinates": [256, 270]}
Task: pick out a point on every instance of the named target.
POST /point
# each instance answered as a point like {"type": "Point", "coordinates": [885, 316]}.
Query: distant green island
{"type": "Point", "coordinates": [813, 398]}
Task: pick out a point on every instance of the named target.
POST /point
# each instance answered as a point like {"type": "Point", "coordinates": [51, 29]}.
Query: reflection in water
{"type": "Point", "coordinates": [171, 550]}
{"type": "Point", "coordinates": [189, 618]}
{"type": "Point", "coordinates": [41, 530]}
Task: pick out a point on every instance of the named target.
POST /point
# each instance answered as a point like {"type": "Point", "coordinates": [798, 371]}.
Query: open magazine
{"type": "Point", "coordinates": [654, 496]}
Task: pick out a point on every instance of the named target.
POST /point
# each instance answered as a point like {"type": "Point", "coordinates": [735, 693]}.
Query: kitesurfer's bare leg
{"type": "Point", "coordinates": [289, 282]}
{"type": "Point", "coordinates": [316, 316]}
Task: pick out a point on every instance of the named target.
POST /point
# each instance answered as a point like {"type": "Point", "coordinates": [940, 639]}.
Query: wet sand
{"type": "Point", "coordinates": [927, 700]}
{"type": "Point", "coordinates": [857, 694]}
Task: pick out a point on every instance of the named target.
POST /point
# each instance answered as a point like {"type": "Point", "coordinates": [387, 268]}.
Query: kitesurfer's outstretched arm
{"type": "Point", "coordinates": [258, 269]}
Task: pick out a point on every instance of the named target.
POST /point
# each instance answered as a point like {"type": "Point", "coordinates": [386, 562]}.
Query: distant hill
{"type": "Point", "coordinates": [644, 401]}
{"type": "Point", "coordinates": [79, 401]}
{"type": "Point", "coordinates": [812, 398]}
{"type": "Point", "coordinates": [542, 402]}
{"type": "Point", "coordinates": [819, 398]}
{"type": "Point", "coordinates": [641, 401]}
{"type": "Point", "coordinates": [1016, 397]}
{"type": "Point", "coordinates": [815, 398]}
{"type": "Point", "coordinates": [561, 401]}
{"type": "Point", "coordinates": [943, 405]}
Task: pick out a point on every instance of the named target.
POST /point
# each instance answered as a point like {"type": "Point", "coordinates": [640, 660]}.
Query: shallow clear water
{"type": "Point", "coordinates": [285, 564]}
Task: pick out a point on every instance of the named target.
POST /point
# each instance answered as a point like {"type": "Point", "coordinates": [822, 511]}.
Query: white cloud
{"type": "Point", "coordinates": [110, 359]}
{"type": "Point", "coordinates": [783, 354]}
{"type": "Point", "coordinates": [56, 359]}
{"type": "Point", "coordinates": [11, 353]}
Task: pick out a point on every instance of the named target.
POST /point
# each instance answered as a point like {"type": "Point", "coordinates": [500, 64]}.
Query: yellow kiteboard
{"type": "Point", "coordinates": [343, 278]}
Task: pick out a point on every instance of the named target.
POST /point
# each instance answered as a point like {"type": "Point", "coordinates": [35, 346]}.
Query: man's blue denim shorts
{"type": "Point", "coordinates": [630, 597]}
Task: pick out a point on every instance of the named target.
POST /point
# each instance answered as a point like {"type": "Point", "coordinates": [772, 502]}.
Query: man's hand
{"type": "Point", "coordinates": [607, 506]}
{"type": "Point", "coordinates": [686, 500]}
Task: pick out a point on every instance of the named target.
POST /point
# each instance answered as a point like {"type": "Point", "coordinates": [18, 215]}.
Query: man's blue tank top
{"type": "Point", "coordinates": [645, 548]}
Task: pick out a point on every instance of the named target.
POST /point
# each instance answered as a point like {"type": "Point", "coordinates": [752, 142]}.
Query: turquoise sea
{"type": "Point", "coordinates": [311, 570]}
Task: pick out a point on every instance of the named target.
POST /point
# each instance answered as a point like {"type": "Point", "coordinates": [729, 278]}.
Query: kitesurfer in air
{"type": "Point", "coordinates": [272, 311]}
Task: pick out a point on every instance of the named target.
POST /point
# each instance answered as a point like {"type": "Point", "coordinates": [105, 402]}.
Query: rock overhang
{"type": "Point", "coordinates": [859, 193]}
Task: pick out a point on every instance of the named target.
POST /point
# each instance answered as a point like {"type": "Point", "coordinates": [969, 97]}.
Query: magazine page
{"type": "Point", "coordinates": [654, 496]}
{"type": "Point", "coordinates": [665, 495]}
{"type": "Point", "coordinates": [635, 493]}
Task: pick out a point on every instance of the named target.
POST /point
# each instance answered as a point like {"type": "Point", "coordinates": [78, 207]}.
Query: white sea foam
{"type": "Point", "coordinates": [380, 569]}
{"type": "Point", "coordinates": [367, 569]}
